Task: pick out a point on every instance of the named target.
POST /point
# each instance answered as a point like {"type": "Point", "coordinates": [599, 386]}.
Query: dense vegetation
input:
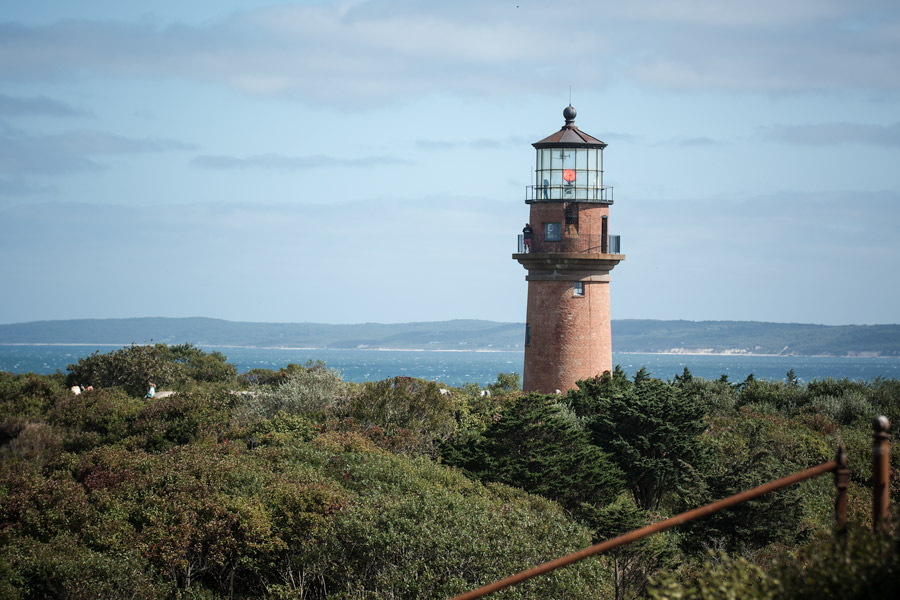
{"type": "Point", "coordinates": [296, 484]}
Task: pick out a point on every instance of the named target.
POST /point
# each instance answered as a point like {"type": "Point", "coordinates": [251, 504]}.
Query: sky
{"type": "Point", "coordinates": [367, 160]}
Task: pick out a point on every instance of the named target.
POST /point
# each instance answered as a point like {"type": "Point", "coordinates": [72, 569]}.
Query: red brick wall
{"type": "Point", "coordinates": [589, 217]}
{"type": "Point", "coordinates": [570, 336]}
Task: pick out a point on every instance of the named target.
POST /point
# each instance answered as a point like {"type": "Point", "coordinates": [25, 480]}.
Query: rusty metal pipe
{"type": "Point", "coordinates": [637, 534]}
{"type": "Point", "coordinates": [881, 472]}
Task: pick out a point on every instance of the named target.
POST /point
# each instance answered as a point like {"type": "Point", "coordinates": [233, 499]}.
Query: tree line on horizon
{"type": "Point", "coordinates": [630, 335]}
{"type": "Point", "coordinates": [292, 483]}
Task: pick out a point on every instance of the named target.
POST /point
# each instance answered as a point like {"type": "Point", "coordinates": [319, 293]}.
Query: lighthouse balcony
{"type": "Point", "coordinates": [581, 244]}
{"type": "Point", "coordinates": [568, 193]}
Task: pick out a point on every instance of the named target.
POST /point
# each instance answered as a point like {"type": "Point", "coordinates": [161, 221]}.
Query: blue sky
{"type": "Point", "coordinates": [366, 161]}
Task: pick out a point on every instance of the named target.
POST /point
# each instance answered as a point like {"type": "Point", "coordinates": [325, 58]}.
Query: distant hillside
{"type": "Point", "coordinates": [796, 339]}
{"type": "Point", "coordinates": [637, 335]}
{"type": "Point", "coordinates": [443, 335]}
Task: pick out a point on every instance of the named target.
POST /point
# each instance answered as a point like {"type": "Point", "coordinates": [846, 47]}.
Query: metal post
{"type": "Point", "coordinates": [841, 481]}
{"type": "Point", "coordinates": [881, 472]}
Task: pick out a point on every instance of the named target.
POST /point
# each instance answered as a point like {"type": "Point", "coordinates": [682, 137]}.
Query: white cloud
{"type": "Point", "coordinates": [835, 134]}
{"type": "Point", "coordinates": [71, 151]}
{"type": "Point", "coordinates": [277, 161]}
{"type": "Point", "coordinates": [15, 106]}
{"type": "Point", "coordinates": [370, 52]}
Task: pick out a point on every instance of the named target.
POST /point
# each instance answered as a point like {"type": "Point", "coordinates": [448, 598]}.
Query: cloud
{"type": "Point", "coordinates": [489, 143]}
{"type": "Point", "coordinates": [281, 162]}
{"type": "Point", "coordinates": [697, 142]}
{"type": "Point", "coordinates": [15, 106]}
{"type": "Point", "coordinates": [17, 187]}
{"type": "Point", "coordinates": [99, 142]}
{"type": "Point", "coordinates": [832, 134]}
{"type": "Point", "coordinates": [369, 52]}
{"type": "Point", "coordinates": [70, 151]}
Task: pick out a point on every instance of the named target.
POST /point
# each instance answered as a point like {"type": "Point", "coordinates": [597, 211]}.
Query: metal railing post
{"type": "Point", "coordinates": [881, 472]}
{"type": "Point", "coordinates": [841, 481]}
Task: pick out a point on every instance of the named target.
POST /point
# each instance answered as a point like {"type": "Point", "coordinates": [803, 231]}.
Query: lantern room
{"type": "Point", "coordinates": [569, 166]}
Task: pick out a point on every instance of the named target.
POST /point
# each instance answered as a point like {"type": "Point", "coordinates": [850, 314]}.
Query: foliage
{"type": "Point", "coordinates": [310, 390]}
{"type": "Point", "coordinates": [291, 517]}
{"type": "Point", "coordinates": [94, 418]}
{"type": "Point", "coordinates": [132, 367]}
{"type": "Point", "coordinates": [721, 577]}
{"type": "Point", "coordinates": [538, 445]}
{"type": "Point", "coordinates": [858, 566]}
{"type": "Point", "coordinates": [652, 431]}
{"type": "Point", "coordinates": [304, 486]}
{"type": "Point", "coordinates": [405, 404]}
{"type": "Point", "coordinates": [506, 383]}
{"type": "Point", "coordinates": [746, 453]}
{"type": "Point", "coordinates": [421, 532]}
{"type": "Point", "coordinates": [634, 563]}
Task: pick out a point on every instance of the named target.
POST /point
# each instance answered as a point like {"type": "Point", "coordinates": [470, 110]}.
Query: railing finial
{"type": "Point", "coordinates": [881, 472]}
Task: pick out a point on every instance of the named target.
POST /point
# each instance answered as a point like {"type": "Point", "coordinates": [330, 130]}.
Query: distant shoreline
{"type": "Point", "coordinates": [687, 338]}
{"type": "Point", "coordinates": [674, 352]}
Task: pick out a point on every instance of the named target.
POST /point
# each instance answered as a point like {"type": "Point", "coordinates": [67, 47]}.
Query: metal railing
{"type": "Point", "coordinates": [590, 244]}
{"type": "Point", "coordinates": [568, 193]}
{"type": "Point", "coordinates": [838, 466]}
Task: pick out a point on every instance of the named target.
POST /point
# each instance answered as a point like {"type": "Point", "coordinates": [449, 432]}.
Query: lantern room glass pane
{"type": "Point", "coordinates": [581, 158]}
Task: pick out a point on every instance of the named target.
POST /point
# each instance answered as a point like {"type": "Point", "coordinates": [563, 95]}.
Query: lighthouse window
{"type": "Point", "coordinates": [552, 232]}
{"type": "Point", "coordinates": [527, 334]}
{"type": "Point", "coordinates": [578, 288]}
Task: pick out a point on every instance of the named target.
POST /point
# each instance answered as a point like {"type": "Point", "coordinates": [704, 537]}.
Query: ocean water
{"type": "Point", "coordinates": [456, 368]}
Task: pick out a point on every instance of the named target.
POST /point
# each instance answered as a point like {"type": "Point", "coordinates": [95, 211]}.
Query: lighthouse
{"type": "Point", "coordinates": [568, 251]}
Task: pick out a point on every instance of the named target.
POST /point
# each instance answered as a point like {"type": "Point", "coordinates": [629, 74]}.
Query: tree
{"type": "Point", "coordinates": [506, 383]}
{"type": "Point", "coordinates": [748, 450]}
{"type": "Point", "coordinates": [132, 367]}
{"type": "Point", "coordinates": [538, 445]}
{"type": "Point", "coordinates": [632, 564]}
{"type": "Point", "coordinates": [652, 431]}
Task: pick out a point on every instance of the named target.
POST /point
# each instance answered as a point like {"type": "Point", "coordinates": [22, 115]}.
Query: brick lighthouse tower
{"type": "Point", "coordinates": [568, 253]}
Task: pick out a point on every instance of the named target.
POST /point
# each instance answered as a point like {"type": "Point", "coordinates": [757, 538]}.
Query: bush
{"type": "Point", "coordinates": [132, 367]}
{"type": "Point", "coordinates": [860, 566]}
{"type": "Point", "coordinates": [314, 390]}
{"type": "Point", "coordinates": [404, 403]}
{"type": "Point", "coordinates": [101, 416]}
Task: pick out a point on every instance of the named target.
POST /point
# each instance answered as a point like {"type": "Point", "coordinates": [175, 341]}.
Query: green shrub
{"type": "Point", "coordinates": [101, 416]}
{"type": "Point", "coordinates": [132, 367]}
{"type": "Point", "coordinates": [405, 403]}
{"type": "Point", "coordinates": [312, 391]}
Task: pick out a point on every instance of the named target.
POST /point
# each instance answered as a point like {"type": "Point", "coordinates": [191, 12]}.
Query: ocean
{"type": "Point", "coordinates": [456, 368]}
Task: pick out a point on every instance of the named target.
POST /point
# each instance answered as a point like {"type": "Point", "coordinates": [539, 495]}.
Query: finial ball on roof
{"type": "Point", "coordinates": [569, 113]}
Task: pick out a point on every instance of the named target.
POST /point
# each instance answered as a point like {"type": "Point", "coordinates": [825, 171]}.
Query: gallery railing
{"type": "Point", "coordinates": [568, 193]}
{"type": "Point", "coordinates": [587, 244]}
